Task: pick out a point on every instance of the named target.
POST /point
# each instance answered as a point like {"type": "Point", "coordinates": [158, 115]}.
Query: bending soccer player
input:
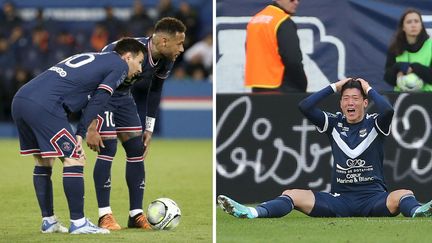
{"type": "Point", "coordinates": [357, 141]}
{"type": "Point", "coordinates": [40, 110]}
{"type": "Point", "coordinates": [120, 120]}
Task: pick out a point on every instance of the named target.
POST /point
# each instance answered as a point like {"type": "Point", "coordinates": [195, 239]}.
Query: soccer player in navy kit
{"type": "Point", "coordinates": [357, 141]}
{"type": "Point", "coordinates": [40, 109]}
{"type": "Point", "coordinates": [120, 120]}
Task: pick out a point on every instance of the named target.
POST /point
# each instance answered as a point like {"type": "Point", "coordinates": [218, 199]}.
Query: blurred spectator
{"type": "Point", "coordinates": [99, 37]}
{"type": "Point", "coordinates": [140, 23]}
{"type": "Point", "coordinates": [199, 58]}
{"type": "Point", "coordinates": [9, 88]}
{"type": "Point", "coordinates": [7, 55]}
{"type": "Point", "coordinates": [165, 9]}
{"type": "Point", "coordinates": [41, 21]}
{"type": "Point", "coordinates": [62, 47]}
{"type": "Point", "coordinates": [189, 17]}
{"type": "Point", "coordinates": [34, 56]}
{"type": "Point", "coordinates": [8, 18]}
{"type": "Point", "coordinates": [113, 25]}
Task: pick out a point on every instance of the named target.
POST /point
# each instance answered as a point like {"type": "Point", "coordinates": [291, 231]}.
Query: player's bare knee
{"type": "Point", "coordinates": [73, 162]}
{"type": "Point", "coordinates": [126, 136]}
{"type": "Point", "coordinates": [395, 196]}
{"type": "Point", "coordinates": [287, 192]}
{"type": "Point", "coordinates": [398, 194]}
{"type": "Point", "coordinates": [294, 194]}
{"type": "Point", "coordinates": [46, 162]}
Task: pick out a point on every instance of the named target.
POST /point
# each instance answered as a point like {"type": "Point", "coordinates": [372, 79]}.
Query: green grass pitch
{"type": "Point", "coordinates": [178, 169]}
{"type": "Point", "coordinates": [297, 227]}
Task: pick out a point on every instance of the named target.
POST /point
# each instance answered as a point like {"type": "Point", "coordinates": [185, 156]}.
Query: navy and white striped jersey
{"type": "Point", "coordinates": [358, 149]}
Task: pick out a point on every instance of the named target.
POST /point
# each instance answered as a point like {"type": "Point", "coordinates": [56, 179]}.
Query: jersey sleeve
{"type": "Point", "coordinates": [384, 117]}
{"type": "Point", "coordinates": [114, 78]}
{"type": "Point", "coordinates": [155, 92]}
{"type": "Point", "coordinates": [319, 118]}
{"type": "Point", "coordinates": [101, 96]}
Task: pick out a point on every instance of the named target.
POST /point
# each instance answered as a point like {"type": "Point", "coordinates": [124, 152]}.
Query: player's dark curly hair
{"type": "Point", "coordinates": [170, 25]}
{"type": "Point", "coordinates": [399, 42]}
{"type": "Point", "coordinates": [129, 45]}
{"type": "Point", "coordinates": [353, 84]}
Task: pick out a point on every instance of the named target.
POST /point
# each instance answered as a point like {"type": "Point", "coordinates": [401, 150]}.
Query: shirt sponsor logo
{"type": "Point", "coordinates": [363, 132]}
{"type": "Point", "coordinates": [59, 70]}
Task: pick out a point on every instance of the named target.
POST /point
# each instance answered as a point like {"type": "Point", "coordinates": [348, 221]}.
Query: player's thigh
{"type": "Point", "coordinates": [45, 162]}
{"type": "Point", "coordinates": [127, 120]}
{"type": "Point", "coordinates": [303, 200]}
{"type": "Point", "coordinates": [330, 205]}
{"type": "Point", "coordinates": [106, 125]}
{"type": "Point", "coordinates": [44, 133]}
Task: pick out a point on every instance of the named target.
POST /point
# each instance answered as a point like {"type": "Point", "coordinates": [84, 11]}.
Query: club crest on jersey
{"type": "Point", "coordinates": [363, 132]}
{"type": "Point", "coordinates": [66, 146]}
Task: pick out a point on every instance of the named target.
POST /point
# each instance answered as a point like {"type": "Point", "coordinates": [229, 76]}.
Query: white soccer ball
{"type": "Point", "coordinates": [410, 82]}
{"type": "Point", "coordinates": [163, 214]}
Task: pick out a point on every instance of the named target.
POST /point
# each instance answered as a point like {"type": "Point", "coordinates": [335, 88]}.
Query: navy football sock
{"type": "Point", "coordinates": [44, 191]}
{"type": "Point", "coordinates": [408, 204]}
{"type": "Point", "coordinates": [102, 172]}
{"type": "Point", "coordinates": [73, 185]}
{"type": "Point", "coordinates": [275, 208]}
{"type": "Point", "coordinates": [135, 175]}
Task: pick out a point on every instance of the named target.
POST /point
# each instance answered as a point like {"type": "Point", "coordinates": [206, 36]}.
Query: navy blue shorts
{"type": "Point", "coordinates": [351, 204]}
{"type": "Point", "coordinates": [119, 115]}
{"type": "Point", "coordinates": [42, 133]}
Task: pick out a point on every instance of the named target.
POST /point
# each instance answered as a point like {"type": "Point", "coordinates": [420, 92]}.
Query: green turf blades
{"type": "Point", "coordinates": [180, 169]}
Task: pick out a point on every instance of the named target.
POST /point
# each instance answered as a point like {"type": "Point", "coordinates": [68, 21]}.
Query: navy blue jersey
{"type": "Point", "coordinates": [84, 80]}
{"type": "Point", "coordinates": [153, 74]}
{"type": "Point", "coordinates": [70, 82]}
{"type": "Point", "coordinates": [358, 149]}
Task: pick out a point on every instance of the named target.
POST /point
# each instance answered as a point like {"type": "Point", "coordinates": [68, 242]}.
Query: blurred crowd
{"type": "Point", "coordinates": [28, 47]}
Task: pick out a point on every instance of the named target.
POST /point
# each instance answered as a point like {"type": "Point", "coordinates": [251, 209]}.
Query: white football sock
{"type": "Point", "coordinates": [105, 210]}
{"type": "Point", "coordinates": [134, 212]}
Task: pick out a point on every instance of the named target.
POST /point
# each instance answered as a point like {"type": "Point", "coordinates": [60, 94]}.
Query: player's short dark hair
{"type": "Point", "coordinates": [170, 25]}
{"type": "Point", "coordinates": [129, 45]}
{"type": "Point", "coordinates": [353, 84]}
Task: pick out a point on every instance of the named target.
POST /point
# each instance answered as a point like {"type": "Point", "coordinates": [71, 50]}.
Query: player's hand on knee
{"type": "Point", "coordinates": [146, 140]}
{"type": "Point", "coordinates": [94, 140]}
{"type": "Point", "coordinates": [79, 148]}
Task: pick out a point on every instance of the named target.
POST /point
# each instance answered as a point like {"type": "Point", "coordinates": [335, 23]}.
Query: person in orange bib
{"type": "Point", "coordinates": [273, 55]}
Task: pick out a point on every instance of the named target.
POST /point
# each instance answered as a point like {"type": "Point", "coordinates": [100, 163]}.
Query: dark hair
{"type": "Point", "coordinates": [129, 45]}
{"type": "Point", "coordinates": [170, 25]}
{"type": "Point", "coordinates": [353, 84]}
{"type": "Point", "coordinates": [399, 41]}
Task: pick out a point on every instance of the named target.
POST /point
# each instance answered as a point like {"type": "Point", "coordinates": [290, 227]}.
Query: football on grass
{"type": "Point", "coordinates": [163, 214]}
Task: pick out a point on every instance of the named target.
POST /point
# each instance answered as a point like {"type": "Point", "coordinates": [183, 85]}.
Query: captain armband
{"type": "Point", "coordinates": [150, 123]}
